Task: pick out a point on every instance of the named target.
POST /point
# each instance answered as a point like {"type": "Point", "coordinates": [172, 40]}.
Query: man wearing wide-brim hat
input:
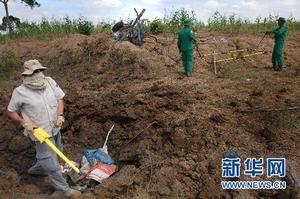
{"type": "Point", "coordinates": [280, 34]}
{"type": "Point", "coordinates": [39, 99]}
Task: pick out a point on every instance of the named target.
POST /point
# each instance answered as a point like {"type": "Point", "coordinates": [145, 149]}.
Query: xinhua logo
{"type": "Point", "coordinates": [232, 168]}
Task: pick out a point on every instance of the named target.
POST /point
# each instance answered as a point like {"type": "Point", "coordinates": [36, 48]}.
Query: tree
{"type": "Point", "coordinates": [30, 3]}
{"type": "Point", "coordinates": [14, 22]}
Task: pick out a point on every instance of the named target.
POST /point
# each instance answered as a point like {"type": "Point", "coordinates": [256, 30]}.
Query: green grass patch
{"type": "Point", "coordinates": [63, 63]}
{"type": "Point", "coordinates": [48, 29]}
{"type": "Point", "coordinates": [250, 76]}
{"type": "Point", "coordinates": [172, 23]}
{"type": "Point", "coordinates": [233, 24]}
{"type": "Point", "coordinates": [6, 84]}
{"type": "Point", "coordinates": [8, 61]}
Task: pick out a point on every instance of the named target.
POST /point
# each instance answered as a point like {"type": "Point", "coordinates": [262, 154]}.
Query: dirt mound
{"type": "Point", "coordinates": [170, 131]}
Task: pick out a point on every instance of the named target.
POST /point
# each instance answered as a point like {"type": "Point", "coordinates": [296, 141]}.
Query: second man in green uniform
{"type": "Point", "coordinates": [280, 34]}
{"type": "Point", "coordinates": [185, 41]}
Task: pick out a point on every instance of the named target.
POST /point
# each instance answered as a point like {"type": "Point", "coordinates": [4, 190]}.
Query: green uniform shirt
{"type": "Point", "coordinates": [185, 39]}
{"type": "Point", "coordinates": [280, 34]}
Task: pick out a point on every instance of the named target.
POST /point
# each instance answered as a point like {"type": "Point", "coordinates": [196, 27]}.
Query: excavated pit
{"type": "Point", "coordinates": [170, 131]}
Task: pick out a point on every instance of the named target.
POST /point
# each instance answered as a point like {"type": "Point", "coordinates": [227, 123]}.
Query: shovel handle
{"type": "Point", "coordinates": [61, 155]}
{"type": "Point", "coordinates": [42, 136]}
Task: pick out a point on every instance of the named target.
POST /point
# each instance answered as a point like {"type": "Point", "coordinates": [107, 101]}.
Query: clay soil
{"type": "Point", "coordinates": [171, 132]}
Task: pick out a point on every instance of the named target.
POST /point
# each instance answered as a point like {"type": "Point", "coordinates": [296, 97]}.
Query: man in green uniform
{"type": "Point", "coordinates": [280, 34]}
{"type": "Point", "coordinates": [185, 41]}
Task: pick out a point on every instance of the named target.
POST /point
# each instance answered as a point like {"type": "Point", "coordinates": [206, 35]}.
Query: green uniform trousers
{"type": "Point", "coordinates": [277, 58]}
{"type": "Point", "coordinates": [187, 59]}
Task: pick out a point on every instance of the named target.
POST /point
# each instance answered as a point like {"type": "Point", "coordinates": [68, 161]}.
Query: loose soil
{"type": "Point", "coordinates": [170, 131]}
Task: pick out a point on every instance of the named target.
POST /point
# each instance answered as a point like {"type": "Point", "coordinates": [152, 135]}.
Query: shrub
{"type": "Point", "coordinates": [103, 27]}
{"type": "Point", "coordinates": [7, 62]}
{"type": "Point", "coordinates": [85, 27]}
{"type": "Point", "coordinates": [68, 58]}
{"type": "Point", "coordinates": [156, 26]}
{"type": "Point", "coordinates": [175, 20]}
{"type": "Point", "coordinates": [120, 57]}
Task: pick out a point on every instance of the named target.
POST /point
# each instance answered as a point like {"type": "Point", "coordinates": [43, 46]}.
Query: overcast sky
{"type": "Point", "coordinates": [98, 10]}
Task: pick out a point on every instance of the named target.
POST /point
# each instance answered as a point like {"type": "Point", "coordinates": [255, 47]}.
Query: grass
{"type": "Point", "coordinates": [47, 29]}
{"type": "Point", "coordinates": [8, 60]}
{"type": "Point", "coordinates": [172, 23]}
{"type": "Point", "coordinates": [120, 57]}
{"type": "Point", "coordinates": [64, 62]}
{"type": "Point", "coordinates": [234, 24]}
{"type": "Point", "coordinates": [7, 84]}
{"type": "Point", "coordinates": [253, 76]}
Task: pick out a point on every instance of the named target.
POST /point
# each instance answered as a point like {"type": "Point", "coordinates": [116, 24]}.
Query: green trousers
{"type": "Point", "coordinates": [187, 59]}
{"type": "Point", "coordinates": [277, 58]}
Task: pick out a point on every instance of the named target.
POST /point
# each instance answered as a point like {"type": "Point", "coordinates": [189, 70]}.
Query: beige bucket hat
{"type": "Point", "coordinates": [31, 65]}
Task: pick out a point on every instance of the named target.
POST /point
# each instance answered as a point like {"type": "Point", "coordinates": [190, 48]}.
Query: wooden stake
{"type": "Point", "coordinates": [214, 60]}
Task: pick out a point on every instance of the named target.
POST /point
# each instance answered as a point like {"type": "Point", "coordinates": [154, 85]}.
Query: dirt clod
{"type": "Point", "coordinates": [19, 143]}
{"type": "Point", "coordinates": [171, 132]}
{"type": "Point", "coordinates": [266, 133]}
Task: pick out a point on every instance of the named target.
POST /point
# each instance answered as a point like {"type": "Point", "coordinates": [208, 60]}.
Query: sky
{"type": "Point", "coordinates": [108, 10]}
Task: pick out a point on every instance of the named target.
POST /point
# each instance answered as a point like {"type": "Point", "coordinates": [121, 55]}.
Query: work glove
{"type": "Point", "coordinates": [59, 121]}
{"type": "Point", "coordinates": [28, 125]}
